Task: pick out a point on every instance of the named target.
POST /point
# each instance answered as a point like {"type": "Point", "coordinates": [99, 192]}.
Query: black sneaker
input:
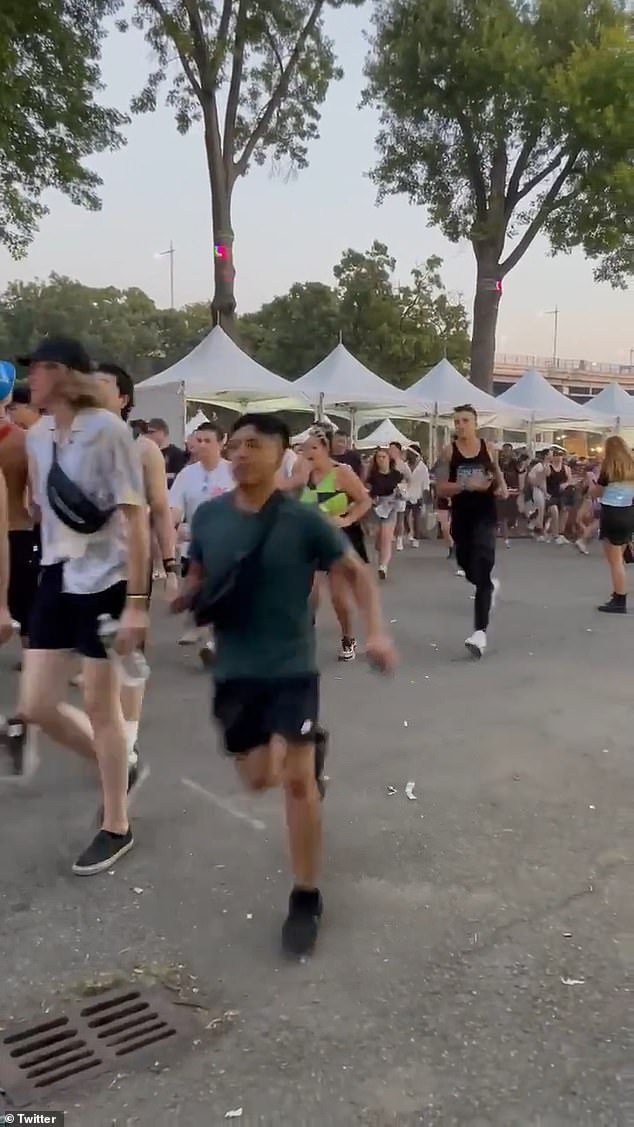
{"type": "Point", "coordinates": [103, 851]}
{"type": "Point", "coordinates": [616, 605]}
{"type": "Point", "coordinates": [348, 650]}
{"type": "Point", "coordinates": [299, 933]}
{"type": "Point", "coordinates": [17, 740]}
{"type": "Point", "coordinates": [321, 751]}
{"type": "Point", "coordinates": [207, 655]}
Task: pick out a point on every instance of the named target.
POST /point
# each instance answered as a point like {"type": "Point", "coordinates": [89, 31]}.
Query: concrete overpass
{"type": "Point", "coordinates": [580, 379]}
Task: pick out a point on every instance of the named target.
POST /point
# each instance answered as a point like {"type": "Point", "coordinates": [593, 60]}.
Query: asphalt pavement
{"type": "Point", "coordinates": [476, 963]}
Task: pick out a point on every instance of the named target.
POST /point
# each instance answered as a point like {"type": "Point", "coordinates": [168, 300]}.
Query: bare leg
{"type": "Point", "coordinates": [132, 707]}
{"type": "Point", "coordinates": [614, 556]}
{"type": "Point", "coordinates": [303, 814]}
{"type": "Point", "coordinates": [386, 533]}
{"type": "Point", "coordinates": [340, 598]}
{"type": "Point", "coordinates": [102, 697]}
{"type": "Point", "coordinates": [539, 501]}
{"type": "Point", "coordinates": [261, 769]}
{"type": "Point", "coordinates": [445, 527]}
{"type": "Point", "coordinates": [42, 690]}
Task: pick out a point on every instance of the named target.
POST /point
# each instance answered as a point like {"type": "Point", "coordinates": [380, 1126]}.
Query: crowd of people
{"type": "Point", "coordinates": [248, 536]}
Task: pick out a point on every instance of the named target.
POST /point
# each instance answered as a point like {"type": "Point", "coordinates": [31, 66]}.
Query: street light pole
{"type": "Point", "coordinates": [555, 313]}
{"type": "Point", "coordinates": [171, 252]}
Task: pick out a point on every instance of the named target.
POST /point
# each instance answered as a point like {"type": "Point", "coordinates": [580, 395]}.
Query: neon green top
{"type": "Point", "coordinates": [332, 501]}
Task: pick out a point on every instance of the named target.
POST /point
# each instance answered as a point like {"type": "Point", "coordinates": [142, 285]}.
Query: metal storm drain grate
{"type": "Point", "coordinates": [117, 1030]}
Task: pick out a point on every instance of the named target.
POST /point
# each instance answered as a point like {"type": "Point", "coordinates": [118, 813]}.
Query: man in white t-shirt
{"type": "Point", "coordinates": [200, 481]}
{"type": "Point", "coordinates": [417, 489]}
{"type": "Point", "coordinates": [396, 455]}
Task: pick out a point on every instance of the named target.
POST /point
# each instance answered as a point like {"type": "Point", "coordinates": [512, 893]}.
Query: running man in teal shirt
{"type": "Point", "coordinates": [266, 679]}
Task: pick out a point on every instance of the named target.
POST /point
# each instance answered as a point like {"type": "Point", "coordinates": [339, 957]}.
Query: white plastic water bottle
{"type": "Point", "coordinates": [133, 668]}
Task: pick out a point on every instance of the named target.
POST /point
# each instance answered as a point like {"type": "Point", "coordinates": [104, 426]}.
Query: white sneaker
{"type": "Point", "coordinates": [460, 573]}
{"type": "Point", "coordinates": [207, 654]}
{"type": "Point", "coordinates": [561, 540]}
{"type": "Point", "coordinates": [507, 543]}
{"type": "Point", "coordinates": [497, 587]}
{"type": "Point", "coordinates": [415, 543]}
{"type": "Point", "coordinates": [582, 547]}
{"type": "Point", "coordinates": [383, 571]}
{"type": "Point", "coordinates": [477, 643]}
{"type": "Point", "coordinates": [399, 543]}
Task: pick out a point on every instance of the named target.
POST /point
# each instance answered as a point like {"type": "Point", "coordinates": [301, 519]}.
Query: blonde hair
{"type": "Point", "coordinates": [618, 460]}
{"type": "Point", "coordinates": [79, 390]}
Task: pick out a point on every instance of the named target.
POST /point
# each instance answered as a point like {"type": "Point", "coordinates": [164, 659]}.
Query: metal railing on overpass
{"type": "Point", "coordinates": [550, 364]}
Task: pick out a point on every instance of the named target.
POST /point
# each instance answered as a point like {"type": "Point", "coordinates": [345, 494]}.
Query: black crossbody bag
{"type": "Point", "coordinates": [70, 504]}
{"type": "Point", "coordinates": [228, 601]}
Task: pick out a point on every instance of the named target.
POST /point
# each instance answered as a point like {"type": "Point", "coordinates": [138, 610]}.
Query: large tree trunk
{"type": "Point", "coordinates": [486, 307]}
{"type": "Point", "coordinates": [221, 181]}
{"type": "Point", "coordinates": [223, 306]}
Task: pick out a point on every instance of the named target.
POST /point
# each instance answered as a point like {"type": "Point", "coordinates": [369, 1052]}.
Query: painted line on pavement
{"type": "Point", "coordinates": [223, 804]}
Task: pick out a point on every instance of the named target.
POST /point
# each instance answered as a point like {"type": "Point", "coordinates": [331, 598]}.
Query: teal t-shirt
{"type": "Point", "coordinates": [279, 638]}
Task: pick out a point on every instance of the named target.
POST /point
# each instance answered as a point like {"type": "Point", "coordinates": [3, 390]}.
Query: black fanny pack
{"type": "Point", "coordinates": [227, 602]}
{"type": "Point", "coordinates": [70, 504]}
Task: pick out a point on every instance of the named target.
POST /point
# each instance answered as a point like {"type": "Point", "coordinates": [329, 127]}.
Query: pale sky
{"type": "Point", "coordinates": [156, 189]}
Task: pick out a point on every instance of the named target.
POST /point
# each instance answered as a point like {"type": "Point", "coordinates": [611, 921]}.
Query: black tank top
{"type": "Point", "coordinates": [472, 508]}
{"type": "Point", "coordinates": [554, 482]}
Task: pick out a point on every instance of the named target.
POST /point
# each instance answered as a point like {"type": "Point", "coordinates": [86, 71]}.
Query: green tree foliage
{"type": "Point", "coordinates": [396, 330]}
{"type": "Point", "coordinates": [507, 118]}
{"type": "Point", "coordinates": [123, 326]}
{"type": "Point", "coordinates": [255, 73]}
{"type": "Point", "coordinates": [49, 117]}
{"type": "Point", "coordinates": [293, 332]}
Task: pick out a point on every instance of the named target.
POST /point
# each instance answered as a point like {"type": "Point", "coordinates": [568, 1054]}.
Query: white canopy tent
{"type": "Point", "coordinates": [382, 435]}
{"type": "Point", "coordinates": [545, 408]}
{"type": "Point", "coordinates": [193, 424]}
{"type": "Point", "coordinates": [218, 372]}
{"type": "Point", "coordinates": [446, 389]}
{"type": "Point", "coordinates": [340, 381]}
{"type": "Point", "coordinates": [615, 405]}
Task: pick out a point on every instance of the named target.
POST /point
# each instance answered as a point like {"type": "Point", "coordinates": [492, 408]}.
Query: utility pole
{"type": "Point", "coordinates": [170, 253]}
{"type": "Point", "coordinates": [555, 313]}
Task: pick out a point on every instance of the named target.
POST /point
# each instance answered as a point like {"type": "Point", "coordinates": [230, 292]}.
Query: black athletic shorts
{"type": "Point", "coordinates": [250, 712]}
{"type": "Point", "coordinates": [616, 524]}
{"type": "Point", "coordinates": [61, 621]}
{"type": "Point", "coordinates": [354, 532]}
{"type": "Point", "coordinates": [555, 502]}
{"type": "Point", "coordinates": [24, 574]}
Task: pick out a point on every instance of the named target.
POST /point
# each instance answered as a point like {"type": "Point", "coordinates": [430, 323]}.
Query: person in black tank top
{"type": "Point", "coordinates": [468, 474]}
{"type": "Point", "coordinates": [557, 478]}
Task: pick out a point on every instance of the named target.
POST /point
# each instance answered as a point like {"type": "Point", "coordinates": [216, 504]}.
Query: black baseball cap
{"type": "Point", "coordinates": [60, 350]}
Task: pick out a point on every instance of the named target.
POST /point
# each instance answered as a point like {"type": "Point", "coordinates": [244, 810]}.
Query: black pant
{"type": "Point", "coordinates": [475, 555]}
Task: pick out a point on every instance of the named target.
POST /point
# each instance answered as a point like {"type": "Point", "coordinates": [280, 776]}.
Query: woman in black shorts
{"type": "Point", "coordinates": [342, 497]}
{"type": "Point", "coordinates": [615, 487]}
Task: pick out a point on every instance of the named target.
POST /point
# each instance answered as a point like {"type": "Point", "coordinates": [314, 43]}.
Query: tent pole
{"type": "Point", "coordinates": [183, 410]}
{"type": "Point", "coordinates": [320, 408]}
